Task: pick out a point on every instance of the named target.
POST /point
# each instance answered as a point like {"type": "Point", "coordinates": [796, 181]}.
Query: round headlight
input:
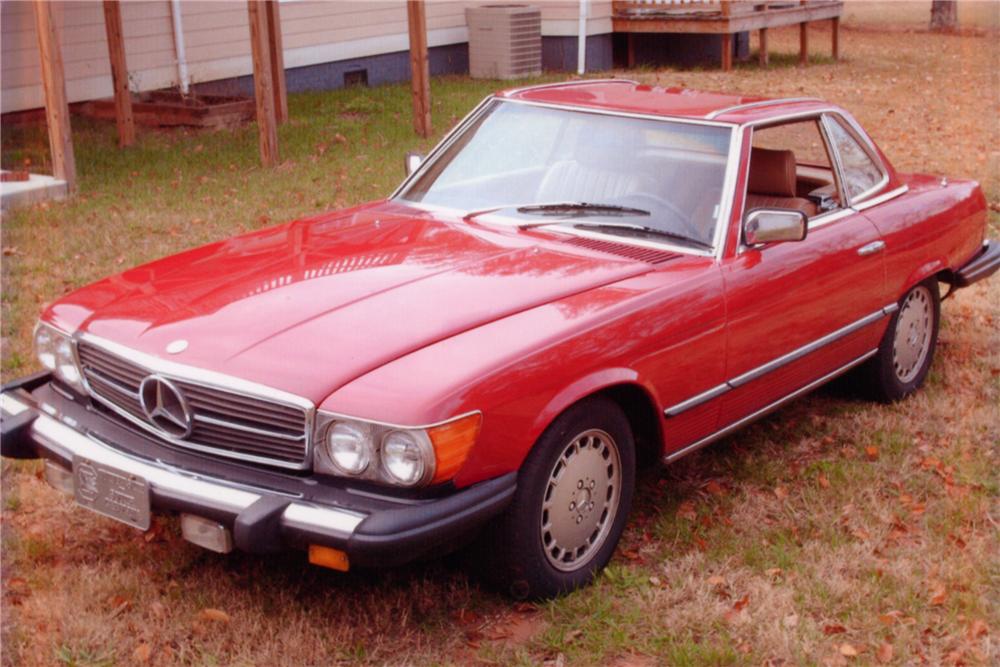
{"type": "Point", "coordinates": [66, 363]}
{"type": "Point", "coordinates": [407, 459]}
{"type": "Point", "coordinates": [45, 347]}
{"type": "Point", "coordinates": [349, 447]}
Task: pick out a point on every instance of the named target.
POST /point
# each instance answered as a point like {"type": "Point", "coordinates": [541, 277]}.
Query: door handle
{"type": "Point", "coordinates": [871, 248]}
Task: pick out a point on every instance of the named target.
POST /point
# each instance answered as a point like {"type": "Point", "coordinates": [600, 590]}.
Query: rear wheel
{"type": "Point", "coordinates": [573, 496]}
{"type": "Point", "coordinates": [907, 348]}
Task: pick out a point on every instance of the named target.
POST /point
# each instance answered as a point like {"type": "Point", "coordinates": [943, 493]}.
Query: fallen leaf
{"type": "Point", "coordinates": [938, 593]}
{"type": "Point", "coordinates": [823, 482]}
{"type": "Point", "coordinates": [216, 615]}
{"type": "Point", "coordinates": [847, 650]}
{"type": "Point", "coordinates": [741, 604]}
{"type": "Point", "coordinates": [890, 618]}
{"type": "Point", "coordinates": [884, 653]}
{"type": "Point", "coordinates": [716, 580]}
{"type": "Point", "coordinates": [871, 453]}
{"type": "Point", "coordinates": [773, 572]}
{"type": "Point", "coordinates": [686, 510]}
{"type": "Point", "coordinates": [834, 629]}
{"type": "Point", "coordinates": [142, 652]}
{"type": "Point", "coordinates": [977, 628]}
{"type": "Point", "coordinates": [715, 488]}
{"type": "Point", "coordinates": [781, 492]}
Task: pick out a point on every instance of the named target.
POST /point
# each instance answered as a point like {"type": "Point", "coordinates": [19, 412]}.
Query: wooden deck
{"type": "Point", "coordinates": [726, 18]}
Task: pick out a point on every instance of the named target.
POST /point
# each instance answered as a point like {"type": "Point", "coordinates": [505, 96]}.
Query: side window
{"type": "Point", "coordinates": [860, 171]}
{"type": "Point", "coordinates": [790, 167]}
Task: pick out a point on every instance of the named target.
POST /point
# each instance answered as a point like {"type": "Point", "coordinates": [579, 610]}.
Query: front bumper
{"type": "Point", "coordinates": [266, 511]}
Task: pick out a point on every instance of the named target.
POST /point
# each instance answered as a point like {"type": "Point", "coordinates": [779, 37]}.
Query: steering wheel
{"type": "Point", "coordinates": [659, 204]}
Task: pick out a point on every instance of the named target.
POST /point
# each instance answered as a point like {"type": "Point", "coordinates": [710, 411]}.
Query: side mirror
{"type": "Point", "coordinates": [773, 225]}
{"type": "Point", "coordinates": [412, 162]}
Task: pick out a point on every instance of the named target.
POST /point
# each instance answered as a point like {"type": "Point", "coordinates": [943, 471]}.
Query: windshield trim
{"type": "Point", "coordinates": [728, 182]}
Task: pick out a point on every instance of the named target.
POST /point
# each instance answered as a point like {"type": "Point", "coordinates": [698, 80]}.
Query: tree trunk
{"type": "Point", "coordinates": [944, 15]}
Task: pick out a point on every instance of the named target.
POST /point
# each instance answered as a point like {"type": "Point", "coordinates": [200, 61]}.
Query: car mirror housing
{"type": "Point", "coordinates": [774, 225]}
{"type": "Point", "coordinates": [412, 162]}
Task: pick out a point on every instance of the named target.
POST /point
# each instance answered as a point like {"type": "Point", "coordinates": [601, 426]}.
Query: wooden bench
{"type": "Point", "coordinates": [726, 18]}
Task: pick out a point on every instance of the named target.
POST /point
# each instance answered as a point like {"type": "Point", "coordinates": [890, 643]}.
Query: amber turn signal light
{"type": "Point", "coordinates": [335, 559]}
{"type": "Point", "coordinates": [452, 443]}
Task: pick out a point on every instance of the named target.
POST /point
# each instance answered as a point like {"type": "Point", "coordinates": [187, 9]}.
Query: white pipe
{"type": "Point", "coordinates": [581, 31]}
{"type": "Point", "coordinates": [182, 66]}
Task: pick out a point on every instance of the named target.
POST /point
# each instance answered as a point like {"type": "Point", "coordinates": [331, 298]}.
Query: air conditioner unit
{"type": "Point", "coordinates": [505, 41]}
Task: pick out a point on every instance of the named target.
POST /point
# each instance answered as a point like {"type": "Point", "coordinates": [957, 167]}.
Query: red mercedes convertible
{"type": "Point", "coordinates": [580, 277]}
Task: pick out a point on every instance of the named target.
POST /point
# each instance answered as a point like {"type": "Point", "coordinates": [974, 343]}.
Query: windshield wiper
{"type": "Point", "coordinates": [579, 207]}
{"type": "Point", "coordinates": [556, 208]}
{"type": "Point", "coordinates": [645, 230]}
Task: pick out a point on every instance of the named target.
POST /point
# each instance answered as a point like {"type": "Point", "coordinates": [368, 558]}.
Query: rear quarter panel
{"type": "Point", "coordinates": [934, 226]}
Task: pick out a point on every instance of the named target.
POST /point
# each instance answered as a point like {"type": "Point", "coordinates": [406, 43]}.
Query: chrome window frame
{"type": "Point", "coordinates": [855, 132]}
{"type": "Point", "coordinates": [728, 181]}
{"type": "Point", "coordinates": [209, 380]}
{"type": "Point", "coordinates": [851, 206]}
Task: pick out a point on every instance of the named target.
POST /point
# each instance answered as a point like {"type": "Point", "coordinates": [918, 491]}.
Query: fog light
{"type": "Point", "coordinates": [206, 533]}
{"type": "Point", "coordinates": [327, 557]}
{"type": "Point", "coordinates": [59, 478]}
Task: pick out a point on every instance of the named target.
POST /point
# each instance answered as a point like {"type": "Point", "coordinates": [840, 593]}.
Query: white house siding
{"type": "Point", "coordinates": [217, 39]}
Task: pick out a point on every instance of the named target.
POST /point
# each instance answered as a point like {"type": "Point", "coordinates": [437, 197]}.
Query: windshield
{"type": "Point", "coordinates": [514, 158]}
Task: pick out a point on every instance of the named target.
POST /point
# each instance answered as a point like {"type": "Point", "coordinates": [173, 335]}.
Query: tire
{"type": "Point", "coordinates": [540, 547]}
{"type": "Point", "coordinates": [907, 348]}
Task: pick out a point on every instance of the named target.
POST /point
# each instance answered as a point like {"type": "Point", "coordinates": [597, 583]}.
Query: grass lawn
{"type": "Point", "coordinates": [833, 532]}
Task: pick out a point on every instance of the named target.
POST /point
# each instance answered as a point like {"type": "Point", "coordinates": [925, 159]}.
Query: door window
{"type": "Point", "coordinates": [861, 173]}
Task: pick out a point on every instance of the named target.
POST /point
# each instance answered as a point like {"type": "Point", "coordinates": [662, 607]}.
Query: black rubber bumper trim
{"type": "Point", "coordinates": [983, 265]}
{"type": "Point", "coordinates": [399, 535]}
{"type": "Point", "coordinates": [15, 430]}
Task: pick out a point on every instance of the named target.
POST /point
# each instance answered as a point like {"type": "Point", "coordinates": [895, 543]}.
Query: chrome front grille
{"type": "Point", "coordinates": [224, 422]}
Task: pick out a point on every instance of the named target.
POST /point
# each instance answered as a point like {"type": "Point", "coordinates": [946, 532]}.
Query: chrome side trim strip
{"type": "Point", "coordinates": [884, 197]}
{"type": "Point", "coordinates": [775, 364]}
{"type": "Point", "coordinates": [695, 401]}
{"type": "Point", "coordinates": [795, 355]}
{"type": "Point", "coordinates": [723, 432]}
{"type": "Point", "coordinates": [201, 492]}
{"type": "Point", "coordinates": [762, 103]}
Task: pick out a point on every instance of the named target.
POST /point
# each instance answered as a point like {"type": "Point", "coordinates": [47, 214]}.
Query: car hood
{"type": "Point", "coordinates": [308, 306]}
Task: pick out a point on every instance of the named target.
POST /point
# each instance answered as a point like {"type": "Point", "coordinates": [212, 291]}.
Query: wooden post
{"type": "Point", "coordinates": [762, 57]}
{"type": "Point", "coordinates": [420, 79]}
{"type": "Point", "coordinates": [835, 37]}
{"type": "Point", "coordinates": [277, 61]}
{"type": "Point", "coordinates": [119, 72]}
{"type": "Point", "coordinates": [727, 51]}
{"type": "Point", "coordinates": [630, 48]}
{"type": "Point", "coordinates": [263, 83]}
{"type": "Point", "coordinates": [56, 106]}
{"type": "Point", "coordinates": [803, 43]}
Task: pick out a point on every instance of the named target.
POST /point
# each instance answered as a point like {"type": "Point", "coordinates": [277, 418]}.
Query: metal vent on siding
{"type": "Point", "coordinates": [638, 253]}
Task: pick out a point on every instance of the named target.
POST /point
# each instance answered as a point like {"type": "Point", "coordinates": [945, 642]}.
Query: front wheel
{"type": "Point", "coordinates": [573, 496]}
{"type": "Point", "coordinates": [907, 348]}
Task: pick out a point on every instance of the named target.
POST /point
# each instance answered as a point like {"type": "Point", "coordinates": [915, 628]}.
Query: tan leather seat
{"type": "Point", "coordinates": [772, 182]}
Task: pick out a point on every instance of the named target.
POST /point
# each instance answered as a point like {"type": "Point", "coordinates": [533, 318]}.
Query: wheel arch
{"type": "Point", "coordinates": [624, 387]}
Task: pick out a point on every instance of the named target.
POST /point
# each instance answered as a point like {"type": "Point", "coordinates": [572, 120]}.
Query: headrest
{"type": "Point", "coordinates": [772, 172]}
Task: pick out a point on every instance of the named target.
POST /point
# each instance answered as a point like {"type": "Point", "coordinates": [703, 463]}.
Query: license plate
{"type": "Point", "coordinates": [111, 492]}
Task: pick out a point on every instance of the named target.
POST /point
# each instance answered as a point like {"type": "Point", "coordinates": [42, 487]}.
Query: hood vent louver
{"type": "Point", "coordinates": [637, 253]}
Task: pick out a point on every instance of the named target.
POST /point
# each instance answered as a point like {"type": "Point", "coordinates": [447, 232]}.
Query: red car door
{"type": "Point", "coordinates": [799, 311]}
